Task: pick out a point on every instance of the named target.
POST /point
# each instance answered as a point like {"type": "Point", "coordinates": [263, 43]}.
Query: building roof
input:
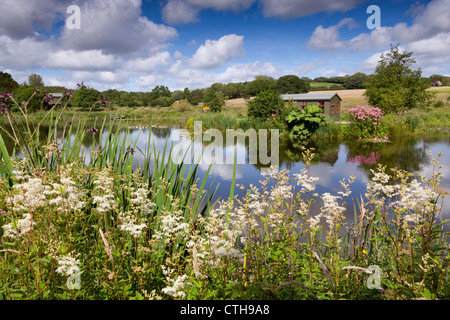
{"type": "Point", "coordinates": [310, 96]}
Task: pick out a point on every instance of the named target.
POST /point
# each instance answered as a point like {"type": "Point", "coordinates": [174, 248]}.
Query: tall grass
{"type": "Point", "coordinates": [223, 122]}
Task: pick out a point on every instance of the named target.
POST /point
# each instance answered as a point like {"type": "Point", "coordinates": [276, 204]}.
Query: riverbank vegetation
{"type": "Point", "coordinates": [77, 225]}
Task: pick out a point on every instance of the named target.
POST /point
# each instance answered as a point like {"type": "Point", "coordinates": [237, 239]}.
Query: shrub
{"type": "Point", "coordinates": [86, 98]}
{"type": "Point", "coordinates": [303, 122]}
{"type": "Point", "coordinates": [214, 101]}
{"type": "Point", "coordinates": [182, 105]}
{"type": "Point", "coordinates": [33, 98]}
{"type": "Point", "coordinates": [414, 122]}
{"type": "Point", "coordinates": [438, 104]}
{"type": "Point", "coordinates": [366, 124]}
{"type": "Point", "coordinates": [265, 104]}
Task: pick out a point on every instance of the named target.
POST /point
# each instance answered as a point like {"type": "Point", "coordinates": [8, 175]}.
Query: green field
{"type": "Point", "coordinates": [443, 90]}
{"type": "Point", "coordinates": [323, 84]}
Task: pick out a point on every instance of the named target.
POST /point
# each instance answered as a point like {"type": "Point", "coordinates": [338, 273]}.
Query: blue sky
{"type": "Point", "coordinates": [135, 45]}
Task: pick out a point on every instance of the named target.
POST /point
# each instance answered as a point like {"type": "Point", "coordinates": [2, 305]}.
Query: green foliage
{"type": "Point", "coordinates": [395, 87]}
{"type": "Point", "coordinates": [265, 104]}
{"type": "Point", "coordinates": [35, 81]}
{"type": "Point", "coordinates": [304, 122]}
{"type": "Point", "coordinates": [214, 100]}
{"type": "Point", "coordinates": [438, 104]}
{"type": "Point", "coordinates": [86, 98]}
{"type": "Point", "coordinates": [187, 95]}
{"type": "Point", "coordinates": [261, 83]}
{"type": "Point", "coordinates": [197, 96]}
{"type": "Point", "coordinates": [414, 122]}
{"type": "Point", "coordinates": [163, 101]}
{"type": "Point", "coordinates": [291, 84]}
{"type": "Point", "coordinates": [356, 81]}
{"type": "Point", "coordinates": [27, 94]}
{"type": "Point", "coordinates": [160, 91]}
{"type": "Point", "coordinates": [7, 83]}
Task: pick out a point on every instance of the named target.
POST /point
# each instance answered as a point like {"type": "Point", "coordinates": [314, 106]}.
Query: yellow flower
{"type": "Point", "coordinates": [364, 251]}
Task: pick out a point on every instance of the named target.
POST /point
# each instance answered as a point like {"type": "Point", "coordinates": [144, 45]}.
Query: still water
{"type": "Point", "coordinates": [334, 160]}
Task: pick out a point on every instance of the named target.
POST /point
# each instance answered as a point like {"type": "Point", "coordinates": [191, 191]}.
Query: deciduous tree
{"type": "Point", "coordinates": [395, 87]}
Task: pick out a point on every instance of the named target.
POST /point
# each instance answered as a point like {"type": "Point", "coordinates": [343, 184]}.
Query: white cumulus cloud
{"type": "Point", "coordinates": [117, 27]}
{"type": "Point", "coordinates": [81, 60]}
{"type": "Point", "coordinates": [214, 53]}
{"type": "Point", "coordinates": [328, 38]}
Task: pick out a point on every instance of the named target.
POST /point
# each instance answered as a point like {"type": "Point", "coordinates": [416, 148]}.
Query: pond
{"type": "Point", "coordinates": [334, 161]}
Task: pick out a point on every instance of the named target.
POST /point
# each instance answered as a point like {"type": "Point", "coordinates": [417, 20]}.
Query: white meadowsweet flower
{"type": "Point", "coordinates": [271, 171]}
{"type": "Point", "coordinates": [172, 225]}
{"type": "Point", "coordinates": [281, 191]}
{"type": "Point", "coordinates": [331, 210]}
{"type": "Point", "coordinates": [68, 196]}
{"type": "Point", "coordinates": [105, 200]}
{"type": "Point", "coordinates": [67, 265]}
{"type": "Point", "coordinates": [128, 224]}
{"type": "Point", "coordinates": [18, 228]}
{"type": "Point", "coordinates": [176, 286]}
{"type": "Point", "coordinates": [308, 183]}
{"type": "Point", "coordinates": [141, 202]}
{"type": "Point", "coordinates": [31, 196]}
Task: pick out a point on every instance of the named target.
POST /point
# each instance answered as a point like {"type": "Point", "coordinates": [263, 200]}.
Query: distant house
{"type": "Point", "coordinates": [436, 83]}
{"type": "Point", "coordinates": [56, 97]}
{"type": "Point", "coordinates": [330, 103]}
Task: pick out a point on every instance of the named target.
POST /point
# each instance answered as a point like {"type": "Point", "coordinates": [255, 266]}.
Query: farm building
{"type": "Point", "coordinates": [56, 97]}
{"type": "Point", "coordinates": [330, 103]}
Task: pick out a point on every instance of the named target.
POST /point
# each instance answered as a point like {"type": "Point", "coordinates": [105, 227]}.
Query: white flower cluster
{"type": "Point", "coordinates": [172, 225]}
{"type": "Point", "coordinates": [68, 197]}
{"type": "Point", "coordinates": [18, 228]}
{"type": "Point", "coordinates": [129, 224]}
{"type": "Point", "coordinates": [140, 201]}
{"type": "Point", "coordinates": [175, 289]}
{"type": "Point", "coordinates": [308, 183]}
{"type": "Point", "coordinates": [31, 196]}
{"type": "Point", "coordinates": [271, 171]}
{"type": "Point", "coordinates": [67, 265]}
{"type": "Point", "coordinates": [105, 200]}
{"type": "Point", "coordinates": [411, 199]}
{"type": "Point", "coordinates": [256, 201]}
{"type": "Point", "coordinates": [281, 191]}
{"type": "Point", "coordinates": [223, 228]}
{"type": "Point", "coordinates": [331, 211]}
{"type": "Point", "coordinates": [378, 188]}
{"type": "Point", "coordinates": [200, 254]}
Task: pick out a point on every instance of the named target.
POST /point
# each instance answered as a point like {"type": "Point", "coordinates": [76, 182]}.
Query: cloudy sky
{"type": "Point", "coordinates": [135, 45]}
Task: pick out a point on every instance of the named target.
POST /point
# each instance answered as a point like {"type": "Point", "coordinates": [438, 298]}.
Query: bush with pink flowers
{"type": "Point", "coordinates": [366, 124]}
